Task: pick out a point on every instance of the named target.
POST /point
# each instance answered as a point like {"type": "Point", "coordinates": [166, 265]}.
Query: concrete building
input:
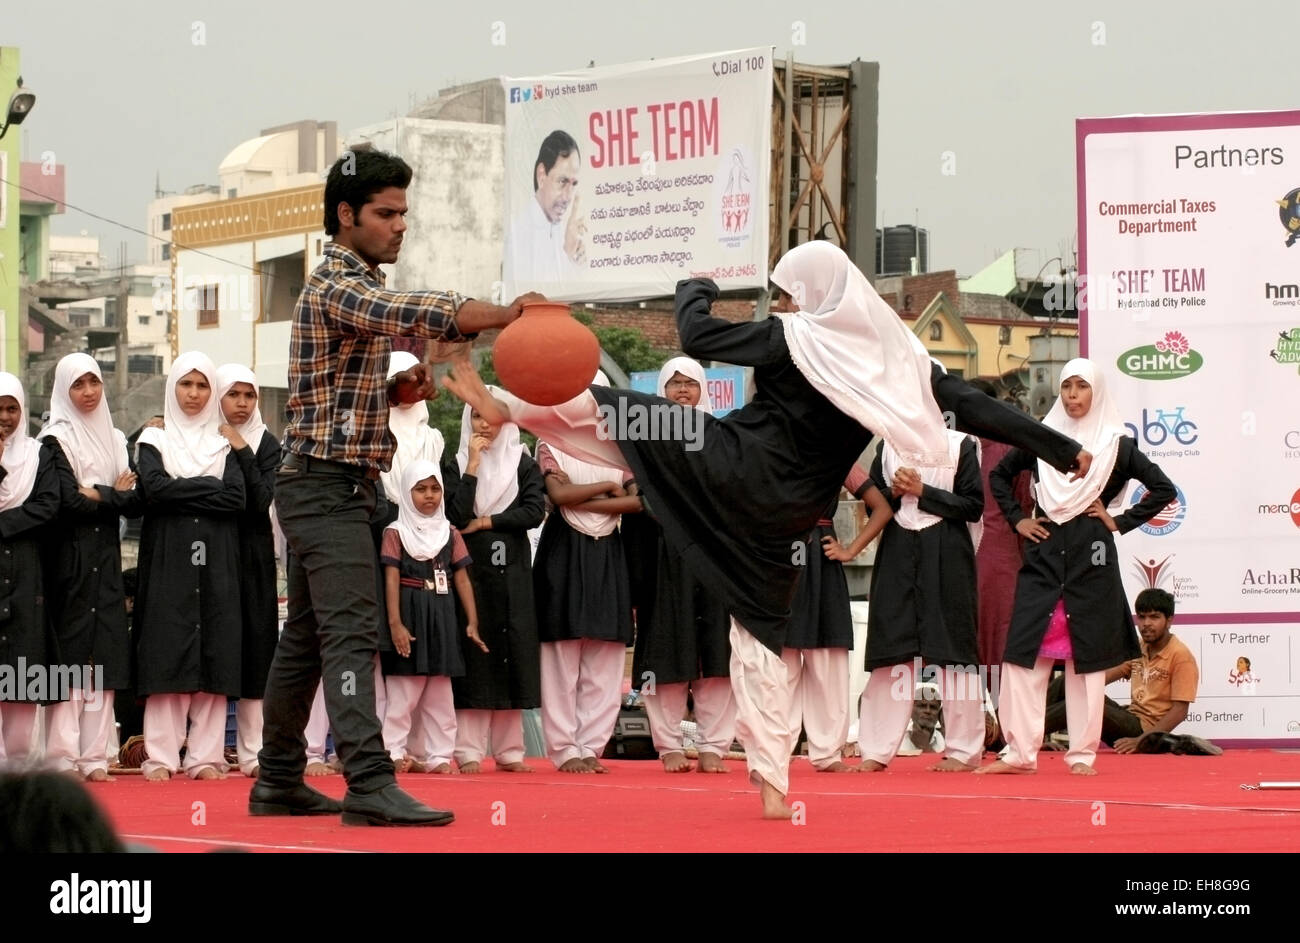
{"type": "Point", "coordinates": [75, 257]}
{"type": "Point", "coordinates": [159, 216]}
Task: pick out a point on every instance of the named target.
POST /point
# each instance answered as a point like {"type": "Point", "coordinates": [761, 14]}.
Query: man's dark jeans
{"type": "Point", "coordinates": [331, 629]}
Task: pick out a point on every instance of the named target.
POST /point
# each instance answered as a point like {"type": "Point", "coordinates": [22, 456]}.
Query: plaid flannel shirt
{"type": "Point", "coordinates": [338, 357]}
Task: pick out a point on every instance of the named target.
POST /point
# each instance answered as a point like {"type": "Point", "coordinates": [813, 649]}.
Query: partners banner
{"type": "Point", "coordinates": [1189, 227]}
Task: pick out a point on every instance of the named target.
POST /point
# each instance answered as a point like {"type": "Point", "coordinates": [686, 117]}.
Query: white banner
{"type": "Point", "coordinates": [1189, 227]}
{"type": "Point", "coordinates": [621, 181]}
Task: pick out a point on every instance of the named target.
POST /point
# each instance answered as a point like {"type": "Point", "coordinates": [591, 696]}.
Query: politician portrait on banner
{"type": "Point", "coordinates": [622, 181]}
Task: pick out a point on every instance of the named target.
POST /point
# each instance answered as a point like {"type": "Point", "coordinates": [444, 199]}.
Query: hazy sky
{"type": "Point", "coordinates": [123, 92]}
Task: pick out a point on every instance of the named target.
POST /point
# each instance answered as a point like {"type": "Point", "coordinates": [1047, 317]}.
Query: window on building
{"type": "Point", "coordinates": [166, 251]}
{"type": "Point", "coordinates": [143, 320]}
{"type": "Point", "coordinates": [166, 222]}
{"type": "Point", "coordinates": [936, 330]}
{"type": "Point", "coordinates": [79, 320]}
{"type": "Point", "coordinates": [281, 281]}
{"type": "Point", "coordinates": [209, 311]}
{"type": "Point", "coordinates": [230, 194]}
{"type": "Point", "coordinates": [1004, 334]}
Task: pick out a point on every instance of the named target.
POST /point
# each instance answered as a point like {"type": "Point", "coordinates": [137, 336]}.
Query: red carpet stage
{"type": "Point", "coordinates": [1137, 804]}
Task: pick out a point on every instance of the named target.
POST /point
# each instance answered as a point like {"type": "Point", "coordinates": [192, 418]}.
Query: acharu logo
{"type": "Point", "coordinates": [1167, 519]}
{"type": "Point", "coordinates": [1169, 358]}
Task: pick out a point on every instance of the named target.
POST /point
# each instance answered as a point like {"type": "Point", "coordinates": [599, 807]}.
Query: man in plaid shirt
{"type": "Point", "coordinates": [336, 444]}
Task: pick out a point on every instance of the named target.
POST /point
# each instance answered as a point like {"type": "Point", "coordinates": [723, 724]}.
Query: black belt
{"type": "Point", "coordinates": [309, 463]}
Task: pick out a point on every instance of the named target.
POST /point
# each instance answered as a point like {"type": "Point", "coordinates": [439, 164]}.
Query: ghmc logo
{"type": "Point", "coordinates": [1169, 358]}
{"type": "Point", "coordinates": [1169, 518]}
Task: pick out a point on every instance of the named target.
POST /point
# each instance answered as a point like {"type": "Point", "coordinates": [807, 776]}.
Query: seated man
{"type": "Point", "coordinates": [924, 729]}
{"type": "Point", "coordinates": [1163, 681]}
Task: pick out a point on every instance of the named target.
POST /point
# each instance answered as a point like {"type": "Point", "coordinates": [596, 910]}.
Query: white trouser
{"type": "Point", "coordinates": [890, 698]}
{"type": "Point", "coordinates": [476, 729]}
{"type": "Point", "coordinates": [248, 733]}
{"type": "Point", "coordinates": [164, 732]}
{"type": "Point", "coordinates": [77, 730]}
{"type": "Point", "coordinates": [766, 716]}
{"type": "Point", "coordinates": [821, 699]}
{"type": "Point", "coordinates": [1023, 704]}
{"type": "Point", "coordinates": [430, 699]}
{"type": "Point", "coordinates": [17, 734]}
{"type": "Point", "coordinates": [715, 715]}
{"type": "Point", "coordinates": [582, 682]}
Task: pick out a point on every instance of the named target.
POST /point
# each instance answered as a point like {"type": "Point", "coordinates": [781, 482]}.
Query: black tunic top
{"type": "Point", "coordinates": [923, 587]}
{"type": "Point", "coordinates": [24, 622]}
{"type": "Point", "coordinates": [189, 628]}
{"type": "Point", "coordinates": [1067, 564]}
{"type": "Point", "coordinates": [508, 675]}
{"type": "Point", "coordinates": [428, 615]}
{"type": "Point", "coordinates": [83, 574]}
{"type": "Point", "coordinates": [735, 510]}
{"type": "Point", "coordinates": [258, 588]}
{"type": "Point", "coordinates": [580, 585]}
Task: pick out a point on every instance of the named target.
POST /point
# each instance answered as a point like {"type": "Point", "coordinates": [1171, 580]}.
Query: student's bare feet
{"type": "Point", "coordinates": [712, 763]}
{"type": "Point", "coordinates": [157, 775]}
{"type": "Point", "coordinates": [443, 769]}
{"type": "Point", "coordinates": [252, 773]}
{"type": "Point", "coordinates": [675, 761]}
{"type": "Point", "coordinates": [416, 766]}
{"type": "Point", "coordinates": [403, 765]}
{"type": "Point", "coordinates": [871, 766]}
{"type": "Point", "coordinates": [949, 765]}
{"type": "Point", "coordinates": [1000, 766]}
{"type": "Point", "coordinates": [514, 768]}
{"type": "Point", "coordinates": [209, 772]}
{"type": "Point", "coordinates": [594, 765]}
{"type": "Point", "coordinates": [837, 767]}
{"type": "Point", "coordinates": [317, 769]}
{"type": "Point", "coordinates": [98, 776]}
{"type": "Point", "coordinates": [473, 766]}
{"type": "Point", "coordinates": [1082, 769]}
{"type": "Point", "coordinates": [850, 750]}
{"type": "Point", "coordinates": [774, 804]}
{"type": "Point", "coordinates": [574, 765]}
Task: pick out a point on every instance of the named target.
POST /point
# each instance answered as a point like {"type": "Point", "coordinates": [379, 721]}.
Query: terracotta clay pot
{"type": "Point", "coordinates": [546, 357]}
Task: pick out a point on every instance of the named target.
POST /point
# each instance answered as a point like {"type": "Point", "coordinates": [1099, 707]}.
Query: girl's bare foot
{"type": "Point", "coordinates": [1082, 769]}
{"type": "Point", "coordinates": [252, 773]}
{"type": "Point", "coordinates": [836, 767]}
{"type": "Point", "coordinates": [98, 776]}
{"type": "Point", "coordinates": [594, 765]}
{"type": "Point", "coordinates": [675, 761]}
{"type": "Point", "coordinates": [158, 775]}
{"type": "Point", "coordinates": [317, 769]}
{"type": "Point", "coordinates": [712, 763]}
{"type": "Point", "coordinates": [443, 769]}
{"type": "Point", "coordinates": [871, 766]}
{"type": "Point", "coordinates": [514, 768]}
{"type": "Point", "coordinates": [774, 804]}
{"type": "Point", "coordinates": [1000, 766]}
{"type": "Point", "coordinates": [574, 765]}
{"type": "Point", "coordinates": [949, 765]}
{"type": "Point", "coordinates": [403, 765]}
{"type": "Point", "coordinates": [209, 772]}
{"type": "Point", "coordinates": [471, 767]}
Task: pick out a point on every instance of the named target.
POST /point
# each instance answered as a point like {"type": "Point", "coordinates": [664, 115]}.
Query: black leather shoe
{"type": "Point", "coordinates": [390, 806]}
{"type": "Point", "coordinates": [301, 799]}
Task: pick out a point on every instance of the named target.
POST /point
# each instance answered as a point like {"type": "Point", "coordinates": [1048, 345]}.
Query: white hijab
{"type": "Point", "coordinates": [690, 368]}
{"type": "Point", "coordinates": [909, 513]}
{"type": "Point", "coordinates": [857, 352]}
{"type": "Point", "coordinates": [498, 466]}
{"type": "Point", "coordinates": [591, 523]}
{"type": "Point", "coordinates": [423, 535]}
{"type": "Point", "coordinates": [95, 450]}
{"type": "Point", "coordinates": [21, 457]}
{"type": "Point", "coordinates": [190, 446]}
{"type": "Point", "coordinates": [253, 428]}
{"type": "Point", "coordinates": [1099, 431]}
{"type": "Point", "coordinates": [409, 424]}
